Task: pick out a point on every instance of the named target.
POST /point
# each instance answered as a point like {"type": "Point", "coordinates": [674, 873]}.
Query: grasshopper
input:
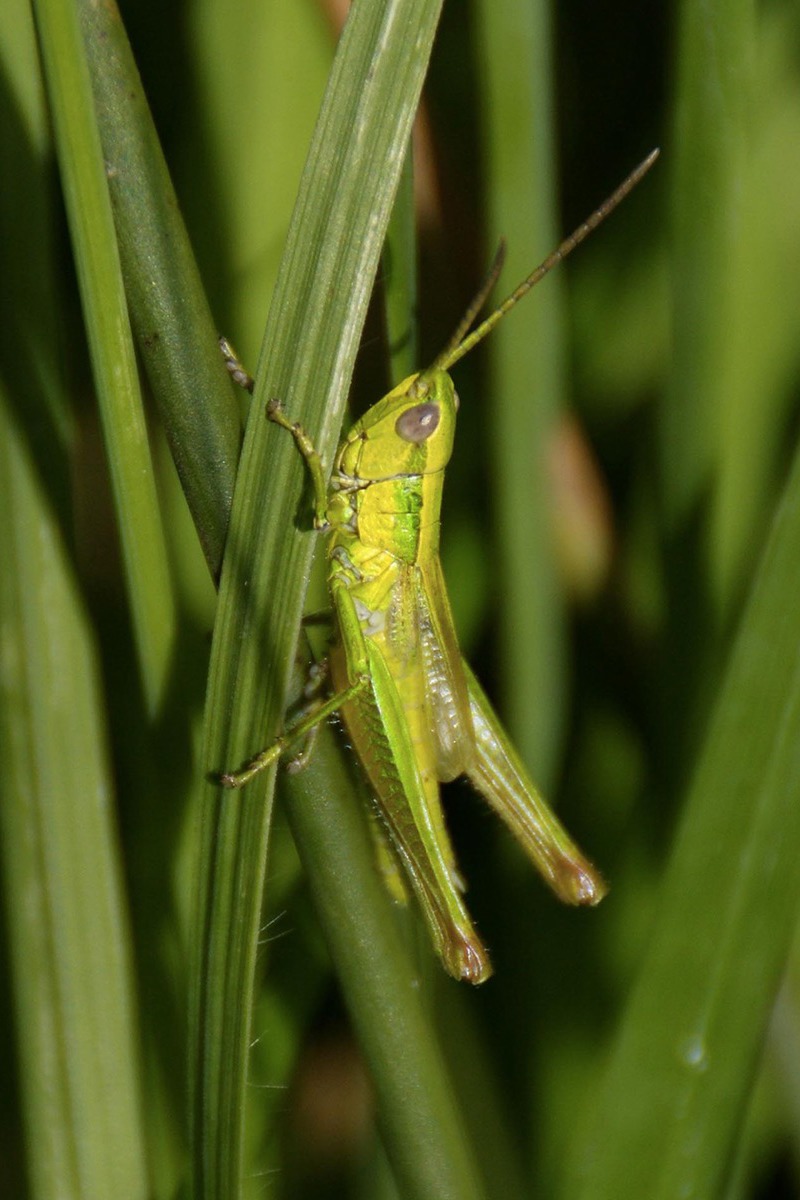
{"type": "Point", "coordinates": [415, 713]}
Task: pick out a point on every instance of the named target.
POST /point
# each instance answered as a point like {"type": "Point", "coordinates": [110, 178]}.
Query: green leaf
{"type": "Point", "coordinates": [68, 943]}
{"type": "Point", "coordinates": [83, 178]}
{"type": "Point", "coordinates": [70, 946]}
{"type": "Point", "coordinates": [420, 1122]}
{"type": "Point", "coordinates": [525, 388]}
{"type": "Point", "coordinates": [176, 335]}
{"type": "Point", "coordinates": [712, 388]}
{"type": "Point", "coordinates": [677, 1087]}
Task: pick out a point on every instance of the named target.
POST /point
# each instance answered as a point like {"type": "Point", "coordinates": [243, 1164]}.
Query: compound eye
{"type": "Point", "coordinates": [418, 423]}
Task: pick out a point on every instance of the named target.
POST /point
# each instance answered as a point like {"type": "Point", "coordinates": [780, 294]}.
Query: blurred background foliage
{"type": "Point", "coordinates": [618, 538]}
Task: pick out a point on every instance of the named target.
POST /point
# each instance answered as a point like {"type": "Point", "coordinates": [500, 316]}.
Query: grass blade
{"type": "Point", "coordinates": [526, 386]}
{"type": "Point", "coordinates": [176, 336]}
{"type": "Point", "coordinates": [681, 1071]}
{"type": "Point", "coordinates": [713, 230]}
{"type": "Point", "coordinates": [67, 938]}
{"type": "Point", "coordinates": [421, 1124]}
{"type": "Point", "coordinates": [70, 946]}
{"type": "Point", "coordinates": [312, 336]}
{"type": "Point", "coordinates": [113, 360]}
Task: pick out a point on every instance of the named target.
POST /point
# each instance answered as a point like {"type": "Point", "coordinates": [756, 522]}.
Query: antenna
{"type": "Point", "coordinates": [461, 343]}
{"type": "Point", "coordinates": [492, 276]}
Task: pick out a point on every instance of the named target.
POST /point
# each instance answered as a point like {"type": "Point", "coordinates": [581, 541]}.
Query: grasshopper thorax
{"type": "Point", "coordinates": [409, 432]}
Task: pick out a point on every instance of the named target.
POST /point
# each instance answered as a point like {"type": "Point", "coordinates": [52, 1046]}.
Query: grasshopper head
{"type": "Point", "coordinates": [408, 432]}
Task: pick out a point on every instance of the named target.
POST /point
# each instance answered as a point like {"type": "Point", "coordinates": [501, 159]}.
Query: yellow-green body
{"type": "Point", "coordinates": [416, 714]}
{"type": "Point", "coordinates": [420, 718]}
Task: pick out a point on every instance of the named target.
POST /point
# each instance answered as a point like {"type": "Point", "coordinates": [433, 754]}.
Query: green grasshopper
{"type": "Point", "coordinates": [415, 712]}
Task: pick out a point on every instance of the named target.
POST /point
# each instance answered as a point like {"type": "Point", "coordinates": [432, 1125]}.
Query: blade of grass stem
{"type": "Point", "coordinates": [176, 336]}
{"type": "Point", "coordinates": [316, 318]}
{"type": "Point", "coordinates": [526, 386]}
{"type": "Point", "coordinates": [681, 1070]}
{"type": "Point", "coordinates": [713, 94]}
{"type": "Point", "coordinates": [419, 1118]}
{"type": "Point", "coordinates": [68, 942]}
{"type": "Point", "coordinates": [113, 360]}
